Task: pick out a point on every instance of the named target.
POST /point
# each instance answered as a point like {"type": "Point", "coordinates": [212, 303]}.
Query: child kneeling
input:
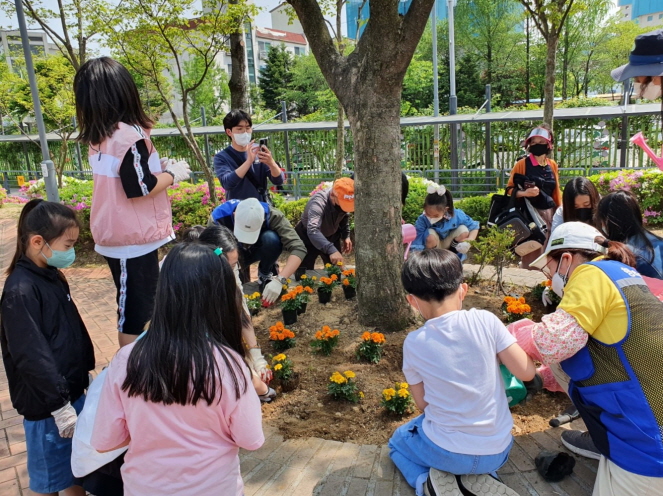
{"type": "Point", "coordinates": [452, 365]}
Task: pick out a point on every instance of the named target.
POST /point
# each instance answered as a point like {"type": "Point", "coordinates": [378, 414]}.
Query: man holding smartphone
{"type": "Point", "coordinates": [244, 167]}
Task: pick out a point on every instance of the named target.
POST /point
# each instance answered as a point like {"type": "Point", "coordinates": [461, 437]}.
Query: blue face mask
{"type": "Point", "coordinates": [60, 259]}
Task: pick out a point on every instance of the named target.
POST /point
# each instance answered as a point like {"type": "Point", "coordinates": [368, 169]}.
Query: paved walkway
{"type": "Point", "coordinates": [294, 467]}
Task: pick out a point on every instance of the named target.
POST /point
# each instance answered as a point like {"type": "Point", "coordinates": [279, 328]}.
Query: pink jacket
{"type": "Point", "coordinates": [116, 220]}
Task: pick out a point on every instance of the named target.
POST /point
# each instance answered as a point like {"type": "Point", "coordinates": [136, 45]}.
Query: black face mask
{"type": "Point", "coordinates": [584, 214]}
{"type": "Point", "coordinates": [539, 149]}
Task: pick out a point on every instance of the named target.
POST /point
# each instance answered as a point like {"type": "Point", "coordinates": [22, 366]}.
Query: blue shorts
{"type": "Point", "coordinates": [49, 455]}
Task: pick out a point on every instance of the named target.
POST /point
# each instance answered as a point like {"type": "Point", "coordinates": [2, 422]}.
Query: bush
{"type": "Point", "coordinates": [3, 196]}
{"type": "Point", "coordinates": [77, 194]}
{"type": "Point", "coordinates": [191, 203]}
{"type": "Point", "coordinates": [293, 210]}
{"type": "Point", "coordinates": [476, 207]}
{"type": "Point", "coordinates": [414, 204]}
{"type": "Point", "coordinates": [646, 185]}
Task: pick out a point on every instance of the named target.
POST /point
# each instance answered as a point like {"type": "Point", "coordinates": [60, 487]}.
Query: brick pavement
{"type": "Point", "coordinates": [281, 467]}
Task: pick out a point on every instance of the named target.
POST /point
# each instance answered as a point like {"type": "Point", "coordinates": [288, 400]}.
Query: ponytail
{"type": "Point", "coordinates": [617, 251]}
{"type": "Point", "coordinates": [41, 218]}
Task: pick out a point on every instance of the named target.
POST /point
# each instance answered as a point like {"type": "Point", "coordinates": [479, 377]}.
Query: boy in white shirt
{"type": "Point", "coordinates": [452, 366]}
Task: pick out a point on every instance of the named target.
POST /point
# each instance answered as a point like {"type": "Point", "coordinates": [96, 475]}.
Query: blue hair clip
{"type": "Point", "coordinates": [218, 251]}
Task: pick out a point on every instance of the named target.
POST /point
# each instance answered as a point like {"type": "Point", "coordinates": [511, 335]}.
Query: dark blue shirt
{"type": "Point", "coordinates": [227, 161]}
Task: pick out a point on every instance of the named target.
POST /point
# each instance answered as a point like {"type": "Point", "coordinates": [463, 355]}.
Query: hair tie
{"type": "Point", "coordinates": [434, 188]}
{"type": "Point", "coordinates": [218, 251]}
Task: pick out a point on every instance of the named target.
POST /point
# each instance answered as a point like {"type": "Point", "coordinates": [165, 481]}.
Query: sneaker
{"type": "Point", "coordinates": [580, 443]}
{"type": "Point", "coordinates": [484, 484]}
{"type": "Point", "coordinates": [445, 484]}
{"type": "Point", "coordinates": [268, 396]}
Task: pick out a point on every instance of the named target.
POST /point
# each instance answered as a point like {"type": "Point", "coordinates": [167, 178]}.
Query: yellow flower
{"type": "Point", "coordinates": [278, 366]}
{"type": "Point", "coordinates": [327, 265]}
{"type": "Point", "coordinates": [403, 393]}
{"type": "Point", "coordinates": [349, 374]}
{"type": "Point", "coordinates": [279, 358]}
{"type": "Point", "coordinates": [340, 264]}
{"type": "Point", "coordinates": [389, 391]}
{"type": "Point", "coordinates": [288, 281]}
{"type": "Point", "coordinates": [404, 385]}
{"type": "Point", "coordinates": [314, 278]}
{"type": "Point", "coordinates": [338, 378]}
{"type": "Point", "coordinates": [304, 277]}
{"type": "Point", "coordinates": [256, 294]}
{"type": "Point", "coordinates": [285, 286]}
{"type": "Point", "coordinates": [361, 395]}
{"type": "Point", "coordinates": [246, 296]}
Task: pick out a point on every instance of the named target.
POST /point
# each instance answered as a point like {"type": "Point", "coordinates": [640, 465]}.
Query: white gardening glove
{"type": "Point", "coordinates": [545, 298]}
{"type": "Point", "coordinates": [164, 161]}
{"type": "Point", "coordinates": [65, 418]}
{"type": "Point", "coordinates": [272, 291]}
{"type": "Point", "coordinates": [259, 364]}
{"type": "Point", "coordinates": [463, 247]}
{"type": "Point", "coordinates": [180, 170]}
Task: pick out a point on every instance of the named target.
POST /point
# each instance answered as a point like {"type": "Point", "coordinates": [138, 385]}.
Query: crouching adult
{"type": "Point", "coordinates": [325, 224]}
{"type": "Point", "coordinates": [263, 233]}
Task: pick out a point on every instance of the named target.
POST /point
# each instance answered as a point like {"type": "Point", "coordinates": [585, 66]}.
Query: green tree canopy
{"type": "Point", "coordinates": [276, 76]}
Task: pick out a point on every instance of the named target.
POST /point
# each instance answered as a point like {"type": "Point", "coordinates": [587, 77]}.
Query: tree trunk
{"type": "Point", "coordinates": [375, 122]}
{"type": "Point", "coordinates": [527, 53]}
{"type": "Point", "coordinates": [238, 84]}
{"type": "Point", "coordinates": [549, 89]}
{"type": "Point", "coordinates": [565, 65]}
{"type": "Point", "coordinates": [340, 141]}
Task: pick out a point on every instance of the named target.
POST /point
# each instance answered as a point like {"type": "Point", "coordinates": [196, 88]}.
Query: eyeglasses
{"type": "Point", "coordinates": [546, 270]}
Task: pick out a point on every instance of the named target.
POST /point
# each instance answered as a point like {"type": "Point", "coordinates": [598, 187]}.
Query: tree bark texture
{"type": "Point", "coordinates": [368, 84]}
{"type": "Point", "coordinates": [340, 141]}
{"type": "Point", "coordinates": [549, 89]}
{"type": "Point", "coordinates": [238, 84]}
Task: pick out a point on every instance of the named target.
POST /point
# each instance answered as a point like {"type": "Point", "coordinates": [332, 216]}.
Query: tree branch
{"type": "Point", "coordinates": [412, 28]}
{"type": "Point", "coordinates": [322, 45]}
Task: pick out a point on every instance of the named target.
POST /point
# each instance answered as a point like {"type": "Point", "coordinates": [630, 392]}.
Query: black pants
{"type": "Point", "coordinates": [136, 283]}
{"type": "Point", "coordinates": [312, 253]}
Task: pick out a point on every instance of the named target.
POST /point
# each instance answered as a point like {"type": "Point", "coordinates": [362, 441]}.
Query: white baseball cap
{"type": "Point", "coordinates": [569, 236]}
{"type": "Point", "coordinates": [249, 216]}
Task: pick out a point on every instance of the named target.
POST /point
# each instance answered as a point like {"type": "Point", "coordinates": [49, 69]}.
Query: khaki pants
{"type": "Point", "coordinates": [612, 480]}
{"type": "Point", "coordinates": [445, 243]}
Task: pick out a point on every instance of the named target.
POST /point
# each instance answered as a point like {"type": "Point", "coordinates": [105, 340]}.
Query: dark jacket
{"type": "Point", "coordinates": [46, 348]}
{"type": "Point", "coordinates": [227, 161]}
{"type": "Point", "coordinates": [323, 221]}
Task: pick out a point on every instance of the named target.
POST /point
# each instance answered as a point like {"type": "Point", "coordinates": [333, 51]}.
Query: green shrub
{"type": "Point", "coordinates": [191, 204]}
{"type": "Point", "coordinates": [76, 194]}
{"type": "Point", "coordinates": [646, 185]}
{"type": "Point", "coordinates": [3, 196]}
{"type": "Point", "coordinates": [293, 210]}
{"type": "Point", "coordinates": [476, 207]}
{"type": "Point", "coordinates": [414, 204]}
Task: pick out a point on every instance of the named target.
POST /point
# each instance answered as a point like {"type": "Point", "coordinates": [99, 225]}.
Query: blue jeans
{"type": "Point", "coordinates": [414, 454]}
{"type": "Point", "coordinates": [49, 455]}
{"type": "Point", "coordinates": [267, 250]}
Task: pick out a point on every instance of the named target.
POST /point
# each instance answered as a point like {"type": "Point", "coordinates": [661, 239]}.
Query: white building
{"type": "Point", "coordinates": [295, 43]}
{"type": "Point", "coordinates": [281, 19]}
{"type": "Point", "coordinates": [11, 46]}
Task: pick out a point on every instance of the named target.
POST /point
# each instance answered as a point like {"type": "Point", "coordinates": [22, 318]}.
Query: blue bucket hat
{"type": "Point", "coordinates": [646, 59]}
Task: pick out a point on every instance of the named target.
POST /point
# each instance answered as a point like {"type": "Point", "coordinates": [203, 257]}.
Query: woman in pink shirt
{"type": "Point", "coordinates": [181, 395]}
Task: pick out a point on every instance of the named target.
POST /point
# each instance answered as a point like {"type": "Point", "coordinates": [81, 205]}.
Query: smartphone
{"type": "Point", "coordinates": [263, 142]}
{"type": "Point", "coordinates": [529, 184]}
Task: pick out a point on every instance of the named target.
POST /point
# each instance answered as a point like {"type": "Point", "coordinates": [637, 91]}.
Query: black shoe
{"type": "Point", "coordinates": [580, 443]}
{"type": "Point", "coordinates": [553, 467]}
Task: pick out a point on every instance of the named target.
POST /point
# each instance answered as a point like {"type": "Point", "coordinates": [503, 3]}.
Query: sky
{"type": "Point", "coordinates": [263, 19]}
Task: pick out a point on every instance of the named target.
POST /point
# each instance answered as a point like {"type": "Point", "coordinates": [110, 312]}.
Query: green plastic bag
{"type": "Point", "coordinates": [514, 387]}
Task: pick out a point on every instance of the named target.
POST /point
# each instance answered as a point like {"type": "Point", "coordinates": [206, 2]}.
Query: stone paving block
{"type": "Point", "coordinates": [507, 468]}
{"type": "Point", "coordinates": [272, 443]}
{"type": "Point", "coordinates": [573, 487]}
{"type": "Point", "coordinates": [316, 469]}
{"type": "Point", "coordinates": [384, 467]}
{"type": "Point", "coordinates": [541, 487]}
{"type": "Point", "coordinates": [332, 486]}
{"type": "Point", "coordinates": [401, 487]}
{"type": "Point", "coordinates": [357, 487]}
{"type": "Point", "coordinates": [516, 482]}
{"type": "Point", "coordinates": [7, 474]}
{"type": "Point", "coordinates": [23, 479]}
{"type": "Point", "coordinates": [365, 461]}
{"type": "Point", "coordinates": [521, 460]}
{"type": "Point", "coordinates": [528, 445]}
{"type": "Point", "coordinates": [345, 459]}
{"type": "Point", "coordinates": [259, 477]}
{"type": "Point", "coordinates": [547, 442]}
{"type": "Point", "coordinates": [13, 461]}
{"type": "Point", "coordinates": [17, 448]}
{"type": "Point", "coordinates": [15, 434]}
{"type": "Point", "coordinates": [289, 476]}
{"type": "Point", "coordinates": [10, 488]}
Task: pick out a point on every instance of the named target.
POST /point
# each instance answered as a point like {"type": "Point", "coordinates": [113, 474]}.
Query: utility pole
{"type": "Point", "coordinates": [47, 167]}
{"type": "Point", "coordinates": [436, 98]}
{"type": "Point", "coordinates": [453, 101]}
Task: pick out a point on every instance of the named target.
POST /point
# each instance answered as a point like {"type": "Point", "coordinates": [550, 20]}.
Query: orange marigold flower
{"type": "Point", "coordinates": [509, 299]}
{"type": "Point", "coordinates": [548, 283]}
{"type": "Point", "coordinates": [378, 337]}
{"type": "Point", "coordinates": [521, 299]}
{"type": "Point", "coordinates": [326, 328]}
{"type": "Point", "coordinates": [334, 277]}
{"type": "Point", "coordinates": [279, 326]}
{"type": "Point", "coordinates": [366, 336]}
{"type": "Point", "coordinates": [299, 289]}
{"type": "Point", "coordinates": [308, 289]}
{"type": "Point", "coordinates": [318, 335]}
{"type": "Point", "coordinates": [346, 282]}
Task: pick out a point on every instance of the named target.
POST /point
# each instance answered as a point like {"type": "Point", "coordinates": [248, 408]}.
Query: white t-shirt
{"type": "Point", "coordinates": [455, 356]}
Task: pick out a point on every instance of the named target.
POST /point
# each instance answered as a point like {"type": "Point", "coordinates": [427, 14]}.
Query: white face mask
{"type": "Point", "coordinates": [433, 220]}
{"type": "Point", "coordinates": [559, 281]}
{"type": "Point", "coordinates": [650, 92]}
{"type": "Point", "coordinates": [242, 139]}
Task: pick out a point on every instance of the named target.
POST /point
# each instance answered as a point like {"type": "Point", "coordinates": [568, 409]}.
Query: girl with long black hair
{"type": "Point", "coordinates": [180, 396]}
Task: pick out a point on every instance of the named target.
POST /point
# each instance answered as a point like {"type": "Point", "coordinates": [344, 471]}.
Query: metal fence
{"type": "Point", "coordinates": [589, 140]}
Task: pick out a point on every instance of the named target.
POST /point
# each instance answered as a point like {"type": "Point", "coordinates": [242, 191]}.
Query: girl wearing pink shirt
{"type": "Point", "coordinates": [180, 396]}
